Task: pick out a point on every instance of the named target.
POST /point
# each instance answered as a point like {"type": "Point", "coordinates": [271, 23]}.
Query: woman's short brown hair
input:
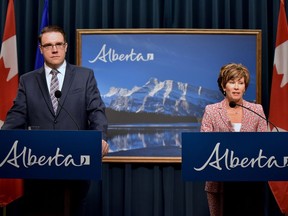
{"type": "Point", "coordinates": [232, 71]}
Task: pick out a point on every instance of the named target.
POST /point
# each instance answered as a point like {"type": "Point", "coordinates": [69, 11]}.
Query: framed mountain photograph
{"type": "Point", "coordinates": [156, 83]}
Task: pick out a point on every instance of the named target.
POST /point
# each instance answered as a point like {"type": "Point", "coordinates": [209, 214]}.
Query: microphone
{"type": "Point", "coordinates": [58, 95]}
{"type": "Point", "coordinates": [233, 104]}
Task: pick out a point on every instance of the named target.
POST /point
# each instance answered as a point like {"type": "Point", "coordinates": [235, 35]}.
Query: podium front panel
{"type": "Point", "coordinates": [32, 154]}
{"type": "Point", "coordinates": [234, 156]}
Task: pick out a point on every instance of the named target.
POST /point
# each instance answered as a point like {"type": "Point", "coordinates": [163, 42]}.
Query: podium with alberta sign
{"type": "Point", "coordinates": [235, 156]}
{"type": "Point", "coordinates": [32, 154]}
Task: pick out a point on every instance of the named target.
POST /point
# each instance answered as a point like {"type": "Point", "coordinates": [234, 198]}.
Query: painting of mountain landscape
{"type": "Point", "coordinates": [156, 86]}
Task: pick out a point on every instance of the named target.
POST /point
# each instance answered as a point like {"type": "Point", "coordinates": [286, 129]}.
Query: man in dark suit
{"type": "Point", "coordinates": [81, 109]}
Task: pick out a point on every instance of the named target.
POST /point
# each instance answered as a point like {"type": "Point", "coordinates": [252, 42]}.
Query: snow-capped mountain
{"type": "Point", "coordinates": [166, 97]}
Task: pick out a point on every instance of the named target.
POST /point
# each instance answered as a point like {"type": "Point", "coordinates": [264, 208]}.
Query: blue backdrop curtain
{"type": "Point", "coordinates": [207, 14]}
{"type": "Point", "coordinates": [153, 189]}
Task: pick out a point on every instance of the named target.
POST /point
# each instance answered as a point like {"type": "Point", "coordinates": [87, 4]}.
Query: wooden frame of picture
{"type": "Point", "coordinates": [156, 83]}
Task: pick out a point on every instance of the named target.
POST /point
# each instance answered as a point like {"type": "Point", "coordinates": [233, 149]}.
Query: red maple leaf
{"type": "Point", "coordinates": [8, 90]}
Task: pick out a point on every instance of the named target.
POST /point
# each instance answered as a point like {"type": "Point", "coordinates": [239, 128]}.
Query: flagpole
{"type": "Point", "coordinates": [4, 210]}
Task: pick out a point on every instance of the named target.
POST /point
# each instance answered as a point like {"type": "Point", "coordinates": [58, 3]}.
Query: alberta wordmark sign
{"type": "Point", "coordinates": [250, 156]}
{"type": "Point", "coordinates": [31, 154]}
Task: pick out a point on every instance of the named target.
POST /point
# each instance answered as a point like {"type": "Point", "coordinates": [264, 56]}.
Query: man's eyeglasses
{"type": "Point", "coordinates": [57, 46]}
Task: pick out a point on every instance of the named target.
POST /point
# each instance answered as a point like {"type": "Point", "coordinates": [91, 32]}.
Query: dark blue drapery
{"type": "Point", "coordinates": [148, 189]}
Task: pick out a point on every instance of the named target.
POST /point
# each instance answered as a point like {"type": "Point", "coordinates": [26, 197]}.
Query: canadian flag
{"type": "Point", "coordinates": [278, 113]}
{"type": "Point", "coordinates": [10, 189]}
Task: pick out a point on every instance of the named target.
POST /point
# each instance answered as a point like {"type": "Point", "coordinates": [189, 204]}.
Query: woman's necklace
{"type": "Point", "coordinates": [234, 112]}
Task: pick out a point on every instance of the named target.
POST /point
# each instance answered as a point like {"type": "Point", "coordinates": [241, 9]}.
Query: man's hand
{"type": "Point", "coordinates": [105, 148]}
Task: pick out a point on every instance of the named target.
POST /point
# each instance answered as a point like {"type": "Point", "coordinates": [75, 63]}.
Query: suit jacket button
{"type": "Point", "coordinates": [55, 122]}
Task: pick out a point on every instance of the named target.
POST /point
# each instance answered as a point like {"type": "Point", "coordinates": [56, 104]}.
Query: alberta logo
{"type": "Point", "coordinates": [229, 160]}
{"type": "Point", "coordinates": [111, 55]}
{"type": "Point", "coordinates": [25, 157]}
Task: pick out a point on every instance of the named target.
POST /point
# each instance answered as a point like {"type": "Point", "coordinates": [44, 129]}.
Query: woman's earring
{"type": "Point", "coordinates": [224, 93]}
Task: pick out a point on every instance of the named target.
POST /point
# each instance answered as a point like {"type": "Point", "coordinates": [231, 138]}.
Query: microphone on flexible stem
{"type": "Point", "coordinates": [233, 104]}
{"type": "Point", "coordinates": [58, 95]}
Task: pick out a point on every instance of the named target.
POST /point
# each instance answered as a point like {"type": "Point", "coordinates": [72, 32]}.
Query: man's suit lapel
{"type": "Point", "coordinates": [68, 79]}
{"type": "Point", "coordinates": [41, 79]}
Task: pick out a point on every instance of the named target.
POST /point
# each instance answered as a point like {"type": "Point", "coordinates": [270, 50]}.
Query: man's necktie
{"type": "Point", "coordinates": [54, 86]}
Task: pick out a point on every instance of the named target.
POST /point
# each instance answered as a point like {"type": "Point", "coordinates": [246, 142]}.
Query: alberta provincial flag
{"type": "Point", "coordinates": [44, 22]}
